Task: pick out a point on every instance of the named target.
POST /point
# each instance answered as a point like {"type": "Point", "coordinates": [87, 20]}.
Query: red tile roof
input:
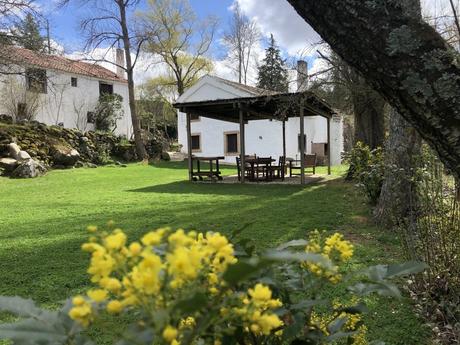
{"type": "Point", "coordinates": [25, 57]}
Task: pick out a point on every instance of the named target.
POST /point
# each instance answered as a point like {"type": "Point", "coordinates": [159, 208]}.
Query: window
{"type": "Point", "coordinates": [231, 143]}
{"type": "Point", "coordinates": [304, 142]}
{"type": "Point", "coordinates": [194, 117]}
{"type": "Point", "coordinates": [73, 82]}
{"type": "Point", "coordinates": [105, 89]}
{"type": "Point", "coordinates": [90, 117]}
{"type": "Point", "coordinates": [36, 80]}
{"type": "Point", "coordinates": [196, 142]}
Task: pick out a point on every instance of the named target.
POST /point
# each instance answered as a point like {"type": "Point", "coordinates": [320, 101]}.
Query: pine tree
{"type": "Point", "coordinates": [27, 34]}
{"type": "Point", "coordinates": [273, 74]}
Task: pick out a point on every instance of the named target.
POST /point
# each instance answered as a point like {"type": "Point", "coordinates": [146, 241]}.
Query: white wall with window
{"type": "Point", "coordinates": [263, 137]}
{"type": "Point", "coordinates": [64, 99]}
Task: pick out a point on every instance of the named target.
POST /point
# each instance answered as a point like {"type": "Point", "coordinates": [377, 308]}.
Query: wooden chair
{"type": "Point", "coordinates": [277, 171]}
{"type": "Point", "coordinates": [247, 170]}
{"type": "Point", "coordinates": [310, 162]}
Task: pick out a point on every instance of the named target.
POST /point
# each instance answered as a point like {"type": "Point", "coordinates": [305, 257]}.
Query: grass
{"type": "Point", "coordinates": [42, 224]}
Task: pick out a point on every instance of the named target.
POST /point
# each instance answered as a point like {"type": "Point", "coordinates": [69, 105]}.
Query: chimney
{"type": "Point", "coordinates": [120, 61]}
{"type": "Point", "coordinates": [302, 75]}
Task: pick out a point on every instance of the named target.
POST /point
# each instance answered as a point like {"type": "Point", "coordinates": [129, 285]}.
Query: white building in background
{"type": "Point", "coordinates": [61, 91]}
{"type": "Point", "coordinates": [262, 137]}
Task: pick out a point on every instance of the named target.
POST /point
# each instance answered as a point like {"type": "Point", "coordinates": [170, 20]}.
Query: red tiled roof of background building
{"type": "Point", "coordinates": [26, 57]}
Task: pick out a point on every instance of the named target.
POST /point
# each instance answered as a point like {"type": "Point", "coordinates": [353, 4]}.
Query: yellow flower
{"type": "Point", "coordinates": [170, 333]}
{"type": "Point", "coordinates": [179, 238]}
{"type": "Point", "coordinates": [260, 293]}
{"type": "Point", "coordinates": [97, 295]}
{"type": "Point", "coordinates": [184, 263]}
{"type": "Point", "coordinates": [92, 228]}
{"type": "Point", "coordinates": [78, 300]}
{"type": "Point", "coordinates": [101, 265]}
{"type": "Point", "coordinates": [189, 322]}
{"type": "Point", "coordinates": [116, 240]}
{"type": "Point", "coordinates": [135, 248]}
{"type": "Point", "coordinates": [81, 312]}
{"type": "Point", "coordinates": [153, 238]}
{"type": "Point", "coordinates": [111, 284]}
{"type": "Point", "coordinates": [145, 275]}
{"type": "Point", "coordinates": [114, 307]}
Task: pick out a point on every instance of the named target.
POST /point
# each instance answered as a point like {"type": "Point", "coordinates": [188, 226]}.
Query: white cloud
{"type": "Point", "coordinates": [279, 18]}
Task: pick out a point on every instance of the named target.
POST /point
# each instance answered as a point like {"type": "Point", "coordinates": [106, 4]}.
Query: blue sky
{"type": "Point", "coordinates": [64, 21]}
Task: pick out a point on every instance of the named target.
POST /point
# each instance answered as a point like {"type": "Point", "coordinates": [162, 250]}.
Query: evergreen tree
{"type": "Point", "coordinates": [273, 74]}
{"type": "Point", "coordinates": [27, 34]}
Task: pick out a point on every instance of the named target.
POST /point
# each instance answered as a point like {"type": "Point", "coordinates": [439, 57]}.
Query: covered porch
{"type": "Point", "coordinates": [273, 107]}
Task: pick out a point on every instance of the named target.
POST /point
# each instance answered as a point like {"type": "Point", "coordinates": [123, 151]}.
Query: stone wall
{"type": "Point", "coordinates": [57, 147]}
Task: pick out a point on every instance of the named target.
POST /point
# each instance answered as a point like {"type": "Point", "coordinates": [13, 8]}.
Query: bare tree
{"type": "Point", "coordinates": [108, 26]}
{"type": "Point", "coordinates": [80, 108]}
{"type": "Point", "coordinates": [180, 39]}
{"type": "Point", "coordinates": [17, 101]}
{"type": "Point", "coordinates": [240, 39]}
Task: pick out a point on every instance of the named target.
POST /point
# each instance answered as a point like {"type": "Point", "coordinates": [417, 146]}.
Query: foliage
{"type": "Point", "coordinates": [273, 73]}
{"type": "Point", "coordinates": [185, 287]}
{"type": "Point", "coordinates": [27, 34]}
{"type": "Point", "coordinates": [435, 238]}
{"type": "Point", "coordinates": [180, 39]}
{"type": "Point", "coordinates": [108, 110]}
{"type": "Point", "coordinates": [367, 168]}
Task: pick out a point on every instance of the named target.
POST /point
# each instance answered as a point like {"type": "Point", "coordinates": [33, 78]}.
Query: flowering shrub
{"type": "Point", "coordinates": [180, 287]}
{"type": "Point", "coordinates": [367, 168]}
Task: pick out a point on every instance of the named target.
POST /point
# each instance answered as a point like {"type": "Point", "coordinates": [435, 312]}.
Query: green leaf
{"type": "Point", "coordinates": [337, 324]}
{"type": "Point", "coordinates": [19, 306]}
{"type": "Point", "coordinates": [293, 243]}
{"type": "Point", "coordinates": [410, 267]}
{"type": "Point", "coordinates": [31, 331]}
{"type": "Point", "coordinates": [288, 256]}
{"type": "Point", "coordinates": [243, 270]}
{"type": "Point", "coordinates": [306, 304]}
{"type": "Point", "coordinates": [192, 304]}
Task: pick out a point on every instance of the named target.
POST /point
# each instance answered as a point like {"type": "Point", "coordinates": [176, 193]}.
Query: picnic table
{"type": "Point", "coordinates": [259, 164]}
{"type": "Point", "coordinates": [213, 172]}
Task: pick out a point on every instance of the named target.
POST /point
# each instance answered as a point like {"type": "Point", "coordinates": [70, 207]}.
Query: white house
{"type": "Point", "coordinates": [57, 90]}
{"type": "Point", "coordinates": [211, 137]}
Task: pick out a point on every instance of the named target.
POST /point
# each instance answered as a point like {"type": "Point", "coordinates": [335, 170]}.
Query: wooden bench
{"type": "Point", "coordinates": [310, 163]}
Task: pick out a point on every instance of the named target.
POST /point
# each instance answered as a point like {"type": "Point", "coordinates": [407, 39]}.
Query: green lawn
{"type": "Point", "coordinates": [43, 221]}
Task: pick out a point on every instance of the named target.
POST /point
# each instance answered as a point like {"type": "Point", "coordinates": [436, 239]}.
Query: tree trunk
{"type": "Point", "coordinates": [398, 198]}
{"type": "Point", "coordinates": [368, 109]}
{"type": "Point", "coordinates": [140, 147]}
{"type": "Point", "coordinates": [403, 58]}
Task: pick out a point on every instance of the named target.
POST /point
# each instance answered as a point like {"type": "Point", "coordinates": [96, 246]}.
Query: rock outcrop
{"type": "Point", "coordinates": [59, 148]}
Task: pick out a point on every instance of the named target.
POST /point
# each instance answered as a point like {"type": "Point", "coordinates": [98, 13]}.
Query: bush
{"type": "Point", "coordinates": [367, 168]}
{"type": "Point", "coordinates": [435, 238]}
{"type": "Point", "coordinates": [108, 110]}
{"type": "Point", "coordinates": [187, 287]}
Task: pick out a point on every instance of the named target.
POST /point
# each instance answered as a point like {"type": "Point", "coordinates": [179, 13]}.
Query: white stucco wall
{"type": "Point", "coordinates": [262, 137]}
{"type": "Point", "coordinates": [60, 102]}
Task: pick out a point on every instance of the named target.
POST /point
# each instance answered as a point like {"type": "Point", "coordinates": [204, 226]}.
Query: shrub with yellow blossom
{"type": "Point", "coordinates": [179, 287]}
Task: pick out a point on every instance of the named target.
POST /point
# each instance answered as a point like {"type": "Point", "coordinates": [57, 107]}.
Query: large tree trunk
{"type": "Point", "coordinates": [368, 108]}
{"type": "Point", "coordinates": [403, 58]}
{"type": "Point", "coordinates": [140, 147]}
{"type": "Point", "coordinates": [398, 199]}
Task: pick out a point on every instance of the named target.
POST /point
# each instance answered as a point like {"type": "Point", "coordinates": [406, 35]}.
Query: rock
{"type": "Point", "coordinates": [64, 157]}
{"type": "Point", "coordinates": [14, 150]}
{"type": "Point", "coordinates": [165, 156]}
{"type": "Point", "coordinates": [23, 155]}
{"type": "Point", "coordinates": [8, 164]}
{"type": "Point", "coordinates": [29, 169]}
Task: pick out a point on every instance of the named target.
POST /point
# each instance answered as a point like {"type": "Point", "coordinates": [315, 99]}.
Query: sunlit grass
{"type": "Point", "coordinates": [43, 221]}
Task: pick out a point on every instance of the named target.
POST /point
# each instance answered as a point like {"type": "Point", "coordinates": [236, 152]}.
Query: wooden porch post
{"type": "Point", "coordinates": [328, 146]}
{"type": "Point", "coordinates": [284, 137]}
{"type": "Point", "coordinates": [302, 144]}
{"type": "Point", "coordinates": [189, 147]}
{"type": "Point", "coordinates": [242, 144]}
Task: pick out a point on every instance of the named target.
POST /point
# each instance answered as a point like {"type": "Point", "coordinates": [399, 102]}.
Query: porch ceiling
{"type": "Point", "coordinates": [278, 107]}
